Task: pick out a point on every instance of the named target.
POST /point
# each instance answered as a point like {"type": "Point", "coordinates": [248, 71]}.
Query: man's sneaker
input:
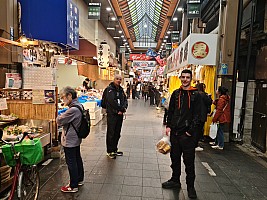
{"type": "Point", "coordinates": [217, 147]}
{"type": "Point", "coordinates": [192, 193]}
{"type": "Point", "coordinates": [171, 184]}
{"type": "Point", "coordinates": [212, 143]}
{"type": "Point", "coordinates": [119, 153]}
{"type": "Point", "coordinates": [199, 149]}
{"type": "Point", "coordinates": [68, 189]}
{"type": "Point", "coordinates": [80, 183]}
{"type": "Point", "coordinates": [111, 155]}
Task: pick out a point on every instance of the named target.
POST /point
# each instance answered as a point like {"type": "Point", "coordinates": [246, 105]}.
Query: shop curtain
{"type": "Point", "coordinates": [209, 81]}
{"type": "Point", "coordinates": [174, 83]}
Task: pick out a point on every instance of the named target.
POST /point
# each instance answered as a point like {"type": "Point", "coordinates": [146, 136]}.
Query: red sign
{"type": "Point", "coordinates": [139, 57]}
{"type": "Point", "coordinates": [200, 50]}
{"type": "Point", "coordinates": [161, 62]}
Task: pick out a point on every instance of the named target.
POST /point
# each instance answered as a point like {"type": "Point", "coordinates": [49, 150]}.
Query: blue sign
{"type": "Point", "coordinates": [72, 25]}
{"type": "Point", "coordinates": [50, 20]}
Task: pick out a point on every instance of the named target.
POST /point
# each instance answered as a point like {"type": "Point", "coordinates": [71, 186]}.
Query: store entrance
{"type": "Point", "coordinates": [259, 125]}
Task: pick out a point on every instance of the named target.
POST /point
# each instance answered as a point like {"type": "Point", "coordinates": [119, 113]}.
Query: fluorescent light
{"type": "Point", "coordinates": [180, 9]}
{"type": "Point", "coordinates": [116, 37]}
{"type": "Point", "coordinates": [108, 9]}
{"type": "Point", "coordinates": [169, 32]}
{"type": "Point", "coordinates": [122, 36]}
{"type": "Point", "coordinates": [124, 40]}
{"type": "Point", "coordinates": [164, 40]}
{"type": "Point", "coordinates": [145, 26]}
{"type": "Point", "coordinates": [120, 31]}
{"type": "Point", "coordinates": [110, 28]}
{"type": "Point", "coordinates": [113, 18]}
{"type": "Point", "coordinates": [166, 36]}
{"type": "Point", "coordinates": [175, 19]}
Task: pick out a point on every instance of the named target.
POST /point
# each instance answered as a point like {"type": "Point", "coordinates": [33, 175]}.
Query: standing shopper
{"type": "Point", "coordinates": [71, 120]}
{"type": "Point", "coordinates": [222, 115]}
{"type": "Point", "coordinates": [146, 90]}
{"type": "Point", "coordinates": [182, 124]}
{"type": "Point", "coordinates": [116, 104]}
{"type": "Point", "coordinates": [205, 106]}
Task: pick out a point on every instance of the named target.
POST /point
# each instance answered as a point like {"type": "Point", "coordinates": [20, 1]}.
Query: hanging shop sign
{"type": "Point", "coordinates": [193, 10]}
{"type": "Point", "coordinates": [139, 57]}
{"type": "Point", "coordinates": [168, 46]}
{"type": "Point", "coordinates": [61, 25]}
{"type": "Point", "coordinates": [193, 1]}
{"type": "Point", "coordinates": [35, 56]}
{"type": "Point", "coordinates": [13, 80]}
{"type": "Point", "coordinates": [175, 37]}
{"type": "Point", "coordinates": [196, 49]}
{"type": "Point", "coordinates": [94, 11]}
{"type": "Point", "coordinates": [143, 64]}
{"type": "Point", "coordinates": [103, 54]}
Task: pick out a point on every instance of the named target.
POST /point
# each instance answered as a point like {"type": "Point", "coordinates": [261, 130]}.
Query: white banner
{"type": "Point", "coordinates": [103, 53]}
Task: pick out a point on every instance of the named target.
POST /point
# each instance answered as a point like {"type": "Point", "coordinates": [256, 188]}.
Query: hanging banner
{"type": "Point", "coordinates": [13, 80]}
{"type": "Point", "coordinates": [151, 53]}
{"type": "Point", "coordinates": [3, 104]}
{"type": "Point", "coordinates": [174, 37]}
{"type": "Point", "coordinates": [103, 54]}
{"type": "Point", "coordinates": [193, 10]}
{"type": "Point", "coordinates": [196, 49]}
{"type": "Point", "coordinates": [94, 11]}
{"type": "Point", "coordinates": [72, 25]}
{"type": "Point", "coordinates": [143, 64]}
{"type": "Point", "coordinates": [139, 57]}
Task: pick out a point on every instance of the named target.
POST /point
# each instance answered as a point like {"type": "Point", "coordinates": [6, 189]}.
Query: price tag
{"type": "Point", "coordinates": [3, 104]}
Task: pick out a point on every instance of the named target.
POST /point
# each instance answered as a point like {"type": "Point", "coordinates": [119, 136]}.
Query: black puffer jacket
{"type": "Point", "coordinates": [116, 99]}
{"type": "Point", "coordinates": [184, 111]}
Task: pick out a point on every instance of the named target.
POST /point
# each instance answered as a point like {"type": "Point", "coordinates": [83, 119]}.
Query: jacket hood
{"type": "Point", "coordinates": [189, 89]}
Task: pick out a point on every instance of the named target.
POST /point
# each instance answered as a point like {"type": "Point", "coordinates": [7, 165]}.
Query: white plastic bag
{"type": "Point", "coordinates": [213, 130]}
{"type": "Point", "coordinates": [164, 145]}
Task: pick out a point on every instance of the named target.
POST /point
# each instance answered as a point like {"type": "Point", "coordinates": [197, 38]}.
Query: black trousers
{"type": "Point", "coordinates": [152, 99]}
{"type": "Point", "coordinates": [200, 133]}
{"type": "Point", "coordinates": [114, 123]}
{"type": "Point", "coordinates": [146, 96]}
{"type": "Point", "coordinates": [183, 144]}
{"type": "Point", "coordinates": [75, 165]}
{"type": "Point", "coordinates": [165, 115]}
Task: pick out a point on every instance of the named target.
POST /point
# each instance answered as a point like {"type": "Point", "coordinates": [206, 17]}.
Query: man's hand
{"type": "Point", "coordinates": [120, 113]}
{"type": "Point", "coordinates": [168, 130]}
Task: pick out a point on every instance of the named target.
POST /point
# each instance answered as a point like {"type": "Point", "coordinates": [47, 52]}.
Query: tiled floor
{"type": "Point", "coordinates": [139, 173]}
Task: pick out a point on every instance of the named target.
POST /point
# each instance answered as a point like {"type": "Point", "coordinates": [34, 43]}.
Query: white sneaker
{"type": "Point", "coordinates": [212, 143]}
{"type": "Point", "coordinates": [217, 147]}
{"type": "Point", "coordinates": [199, 149]}
{"type": "Point", "coordinates": [158, 108]}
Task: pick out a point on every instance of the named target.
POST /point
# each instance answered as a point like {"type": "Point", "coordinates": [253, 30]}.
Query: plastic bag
{"type": "Point", "coordinates": [213, 130]}
{"type": "Point", "coordinates": [164, 145]}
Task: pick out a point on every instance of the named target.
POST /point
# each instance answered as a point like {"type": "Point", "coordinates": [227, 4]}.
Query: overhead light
{"type": "Point", "coordinates": [126, 43]}
{"type": "Point", "coordinates": [145, 26]}
{"type": "Point", "coordinates": [108, 9]}
{"type": "Point", "coordinates": [180, 9]}
{"type": "Point", "coordinates": [175, 19]}
{"type": "Point", "coordinates": [23, 39]}
{"type": "Point", "coordinates": [113, 18]}
{"type": "Point", "coordinates": [122, 36]}
{"type": "Point", "coordinates": [169, 32]}
{"type": "Point", "coordinates": [120, 31]}
{"type": "Point", "coordinates": [110, 28]}
{"type": "Point", "coordinates": [164, 40]}
{"type": "Point", "coordinates": [124, 40]}
{"type": "Point", "coordinates": [166, 36]}
{"type": "Point", "coordinates": [95, 58]}
{"type": "Point", "coordinates": [116, 37]}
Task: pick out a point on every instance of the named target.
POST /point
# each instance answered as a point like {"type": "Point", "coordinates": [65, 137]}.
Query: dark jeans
{"type": "Point", "coordinates": [75, 165]}
{"type": "Point", "coordinates": [200, 133]}
{"type": "Point", "coordinates": [183, 144]}
{"type": "Point", "coordinates": [165, 115]}
{"type": "Point", "coordinates": [146, 96]}
{"type": "Point", "coordinates": [152, 100]}
{"type": "Point", "coordinates": [114, 123]}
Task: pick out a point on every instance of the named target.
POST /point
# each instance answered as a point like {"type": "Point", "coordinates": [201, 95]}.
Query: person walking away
{"type": "Point", "coordinates": [116, 105]}
{"type": "Point", "coordinates": [133, 90]}
{"type": "Point", "coordinates": [146, 91]}
{"type": "Point", "coordinates": [138, 89]}
{"type": "Point", "coordinates": [182, 125]}
{"type": "Point", "coordinates": [157, 97]}
{"type": "Point", "coordinates": [128, 90]}
{"type": "Point", "coordinates": [151, 94]}
{"type": "Point", "coordinates": [205, 105]}
{"type": "Point", "coordinates": [222, 115]}
{"type": "Point", "coordinates": [71, 121]}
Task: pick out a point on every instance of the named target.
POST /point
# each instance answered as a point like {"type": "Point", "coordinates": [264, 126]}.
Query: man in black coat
{"type": "Point", "coordinates": [182, 125]}
{"type": "Point", "coordinates": [116, 105]}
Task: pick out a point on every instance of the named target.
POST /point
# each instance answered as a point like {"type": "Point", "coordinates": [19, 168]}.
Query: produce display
{"type": "Point", "coordinates": [7, 118]}
{"type": "Point", "coordinates": [14, 131]}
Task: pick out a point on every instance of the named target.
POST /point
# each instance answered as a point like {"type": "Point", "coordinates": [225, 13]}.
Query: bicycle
{"type": "Point", "coordinates": [26, 177]}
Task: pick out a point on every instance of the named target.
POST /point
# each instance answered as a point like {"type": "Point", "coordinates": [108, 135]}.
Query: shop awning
{"type": "Point", "coordinates": [86, 49]}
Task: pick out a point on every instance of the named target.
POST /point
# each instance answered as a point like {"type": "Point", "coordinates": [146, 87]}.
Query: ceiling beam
{"type": "Point", "coordinates": [166, 24]}
{"type": "Point", "coordinates": [118, 12]}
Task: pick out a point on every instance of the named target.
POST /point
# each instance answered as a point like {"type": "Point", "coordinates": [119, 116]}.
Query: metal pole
{"type": "Point", "coordinates": [243, 109]}
{"type": "Point", "coordinates": [237, 47]}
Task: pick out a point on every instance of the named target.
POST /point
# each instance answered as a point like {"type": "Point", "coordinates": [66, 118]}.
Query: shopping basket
{"type": "Point", "coordinates": [31, 152]}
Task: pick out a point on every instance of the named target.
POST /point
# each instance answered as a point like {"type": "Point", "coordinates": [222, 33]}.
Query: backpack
{"type": "Point", "coordinates": [104, 99]}
{"type": "Point", "coordinates": [84, 128]}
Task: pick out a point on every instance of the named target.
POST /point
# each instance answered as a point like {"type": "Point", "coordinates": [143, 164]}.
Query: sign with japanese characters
{"type": "Point", "coordinates": [103, 53]}
{"type": "Point", "coordinates": [196, 49]}
{"type": "Point", "coordinates": [72, 25]}
{"type": "Point", "coordinates": [3, 104]}
{"type": "Point", "coordinates": [193, 10]}
{"type": "Point", "coordinates": [94, 11]}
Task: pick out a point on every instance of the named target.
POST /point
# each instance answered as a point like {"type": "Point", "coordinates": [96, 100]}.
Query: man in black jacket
{"type": "Point", "coordinates": [116, 105]}
{"type": "Point", "coordinates": [182, 124]}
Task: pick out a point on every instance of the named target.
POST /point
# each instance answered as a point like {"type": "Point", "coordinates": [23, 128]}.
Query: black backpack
{"type": "Point", "coordinates": [104, 99]}
{"type": "Point", "coordinates": [84, 128]}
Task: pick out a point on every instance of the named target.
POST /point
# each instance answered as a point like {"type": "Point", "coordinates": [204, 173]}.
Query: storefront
{"type": "Point", "coordinates": [197, 53]}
